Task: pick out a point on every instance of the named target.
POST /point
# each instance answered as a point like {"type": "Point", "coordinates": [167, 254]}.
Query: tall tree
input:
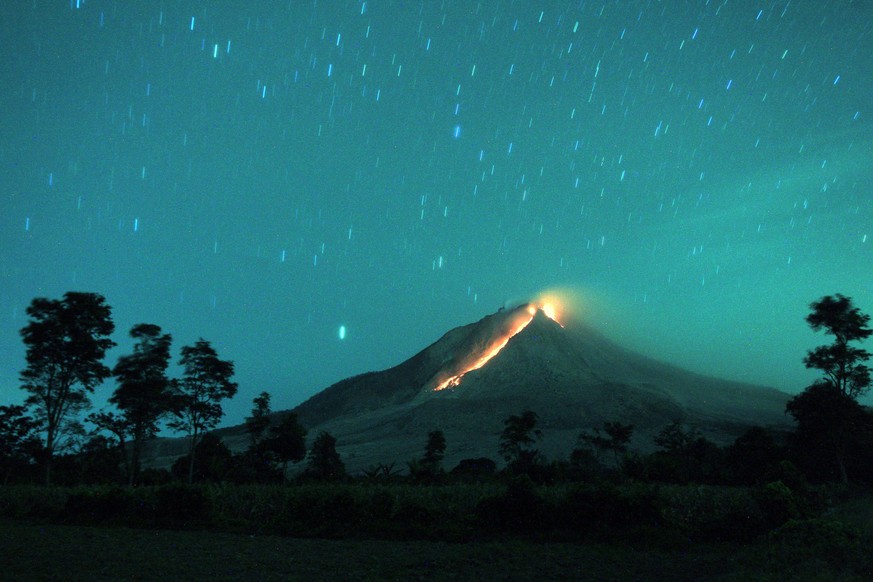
{"type": "Point", "coordinates": [258, 422]}
{"type": "Point", "coordinates": [205, 382]}
{"type": "Point", "coordinates": [287, 441]}
{"type": "Point", "coordinates": [324, 460]}
{"type": "Point", "coordinates": [519, 434]}
{"type": "Point", "coordinates": [843, 365]}
{"type": "Point", "coordinates": [66, 342]}
{"type": "Point", "coordinates": [143, 394]}
{"type": "Point", "coordinates": [828, 415]}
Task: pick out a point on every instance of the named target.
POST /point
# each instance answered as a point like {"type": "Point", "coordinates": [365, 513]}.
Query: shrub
{"type": "Point", "coordinates": [518, 509]}
{"type": "Point", "coordinates": [777, 504]}
{"type": "Point", "coordinates": [802, 543]}
{"type": "Point", "coordinates": [181, 505]}
{"type": "Point", "coordinates": [99, 505]}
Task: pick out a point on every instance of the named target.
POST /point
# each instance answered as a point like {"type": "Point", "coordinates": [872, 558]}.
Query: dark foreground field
{"type": "Point", "coordinates": [31, 551]}
{"type": "Point", "coordinates": [60, 552]}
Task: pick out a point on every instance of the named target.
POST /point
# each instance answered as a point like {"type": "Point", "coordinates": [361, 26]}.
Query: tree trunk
{"type": "Point", "coordinates": [135, 454]}
{"type": "Point", "coordinates": [191, 458]}
{"type": "Point", "coordinates": [49, 453]}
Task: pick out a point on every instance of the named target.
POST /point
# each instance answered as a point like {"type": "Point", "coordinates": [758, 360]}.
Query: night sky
{"type": "Point", "coordinates": [322, 188]}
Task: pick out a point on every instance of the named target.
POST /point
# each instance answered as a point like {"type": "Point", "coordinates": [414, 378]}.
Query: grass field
{"type": "Point", "coordinates": [383, 533]}
{"type": "Point", "coordinates": [30, 551]}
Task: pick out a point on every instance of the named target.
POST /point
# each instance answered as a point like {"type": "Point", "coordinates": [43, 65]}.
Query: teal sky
{"type": "Point", "coordinates": [323, 188]}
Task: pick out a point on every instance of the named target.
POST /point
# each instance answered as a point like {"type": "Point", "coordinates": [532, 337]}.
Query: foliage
{"type": "Point", "coordinates": [324, 461]}
{"type": "Point", "coordinates": [434, 451]}
{"type": "Point", "coordinates": [286, 441]}
{"type": "Point", "coordinates": [18, 439]}
{"type": "Point", "coordinates": [142, 395]}
{"type": "Point", "coordinates": [66, 341]}
{"type": "Point", "coordinates": [381, 473]}
{"type": "Point", "coordinates": [213, 461]}
{"type": "Point", "coordinates": [685, 456]}
{"type": "Point", "coordinates": [616, 440]}
{"type": "Point", "coordinates": [258, 422]}
{"type": "Point", "coordinates": [478, 469]}
{"type": "Point", "coordinates": [842, 365]}
{"type": "Point", "coordinates": [753, 458]}
{"type": "Point", "coordinates": [830, 427]}
{"type": "Point", "coordinates": [804, 545]}
{"type": "Point", "coordinates": [519, 434]}
{"type": "Point", "coordinates": [205, 382]}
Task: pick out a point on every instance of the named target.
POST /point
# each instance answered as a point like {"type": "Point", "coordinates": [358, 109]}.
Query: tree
{"type": "Point", "coordinates": [753, 458]}
{"type": "Point", "coordinates": [258, 422]}
{"type": "Point", "coordinates": [828, 415]}
{"type": "Point", "coordinates": [843, 365]}
{"type": "Point", "coordinates": [674, 439]}
{"type": "Point", "coordinates": [519, 434]}
{"type": "Point", "coordinates": [685, 455]}
{"type": "Point", "coordinates": [66, 341]}
{"type": "Point", "coordinates": [616, 440]}
{"type": "Point", "coordinates": [205, 382]}
{"type": "Point", "coordinates": [434, 451]}
{"type": "Point", "coordinates": [287, 441]}
{"type": "Point", "coordinates": [119, 428]}
{"type": "Point", "coordinates": [18, 439]}
{"type": "Point", "coordinates": [830, 424]}
{"type": "Point", "coordinates": [143, 392]}
{"type": "Point", "coordinates": [324, 461]}
{"type": "Point", "coordinates": [214, 461]}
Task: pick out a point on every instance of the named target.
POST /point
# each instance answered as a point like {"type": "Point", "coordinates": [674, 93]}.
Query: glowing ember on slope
{"type": "Point", "coordinates": [521, 322]}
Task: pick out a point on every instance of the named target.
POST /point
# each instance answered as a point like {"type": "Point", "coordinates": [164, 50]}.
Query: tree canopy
{"type": "Point", "coordinates": [830, 421]}
{"type": "Point", "coordinates": [843, 365]}
{"type": "Point", "coordinates": [66, 342]}
{"type": "Point", "coordinates": [143, 394]}
{"type": "Point", "coordinates": [205, 382]}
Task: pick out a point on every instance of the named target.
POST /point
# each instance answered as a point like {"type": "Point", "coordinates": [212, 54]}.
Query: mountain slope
{"type": "Point", "coordinates": [574, 379]}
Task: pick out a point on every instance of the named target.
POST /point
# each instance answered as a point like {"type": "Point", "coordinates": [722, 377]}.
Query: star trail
{"type": "Point", "coordinates": [322, 188]}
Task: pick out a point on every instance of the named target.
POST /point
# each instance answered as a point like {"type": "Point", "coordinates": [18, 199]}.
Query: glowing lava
{"type": "Point", "coordinates": [522, 320]}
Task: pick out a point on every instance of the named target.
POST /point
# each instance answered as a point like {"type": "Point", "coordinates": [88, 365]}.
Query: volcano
{"type": "Point", "coordinates": [475, 376]}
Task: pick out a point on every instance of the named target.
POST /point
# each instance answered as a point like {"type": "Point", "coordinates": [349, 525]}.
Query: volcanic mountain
{"type": "Point", "coordinates": [475, 376]}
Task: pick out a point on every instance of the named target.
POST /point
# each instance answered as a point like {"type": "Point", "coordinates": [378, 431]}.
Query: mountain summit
{"type": "Point", "coordinates": [471, 379]}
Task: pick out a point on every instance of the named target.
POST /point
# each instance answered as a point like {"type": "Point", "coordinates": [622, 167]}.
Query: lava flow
{"type": "Point", "coordinates": [524, 318]}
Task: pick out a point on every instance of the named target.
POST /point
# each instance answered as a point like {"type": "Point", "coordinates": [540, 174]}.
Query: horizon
{"type": "Point", "coordinates": [325, 190]}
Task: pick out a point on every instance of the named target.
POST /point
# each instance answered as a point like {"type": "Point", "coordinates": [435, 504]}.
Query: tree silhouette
{"type": "Point", "coordinates": [66, 341]}
{"type": "Point", "coordinates": [434, 451]}
{"type": "Point", "coordinates": [324, 462]}
{"type": "Point", "coordinates": [119, 427]}
{"type": "Point", "coordinates": [617, 438]}
{"type": "Point", "coordinates": [829, 425]}
{"type": "Point", "coordinates": [287, 441]}
{"type": "Point", "coordinates": [753, 458]}
{"type": "Point", "coordinates": [258, 422]}
{"type": "Point", "coordinates": [143, 394]}
{"type": "Point", "coordinates": [214, 460]}
{"type": "Point", "coordinates": [842, 364]}
{"type": "Point", "coordinates": [519, 434]}
{"type": "Point", "coordinates": [196, 402]}
{"type": "Point", "coordinates": [18, 439]}
{"type": "Point", "coordinates": [828, 415]}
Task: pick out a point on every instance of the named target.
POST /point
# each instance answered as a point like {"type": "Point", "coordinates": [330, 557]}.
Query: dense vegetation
{"type": "Point", "coordinates": [778, 487]}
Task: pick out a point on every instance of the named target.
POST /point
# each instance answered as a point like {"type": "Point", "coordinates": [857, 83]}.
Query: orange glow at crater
{"type": "Point", "coordinates": [550, 311]}
{"type": "Point", "coordinates": [522, 320]}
